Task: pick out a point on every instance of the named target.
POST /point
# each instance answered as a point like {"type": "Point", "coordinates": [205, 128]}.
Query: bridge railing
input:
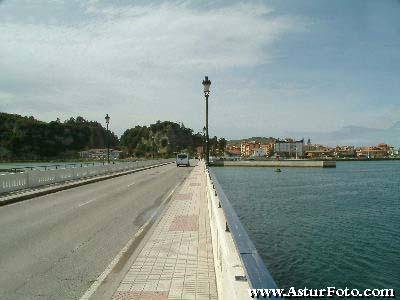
{"type": "Point", "coordinates": [239, 263]}
{"type": "Point", "coordinates": [11, 182]}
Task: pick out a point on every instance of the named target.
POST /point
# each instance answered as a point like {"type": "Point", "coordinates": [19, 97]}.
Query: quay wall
{"type": "Point", "coordinates": [276, 163]}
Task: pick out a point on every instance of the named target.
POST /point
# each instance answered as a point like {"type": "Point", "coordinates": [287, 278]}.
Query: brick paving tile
{"type": "Point", "coordinates": [184, 196]}
{"type": "Point", "coordinates": [177, 261]}
{"type": "Point", "coordinates": [140, 295]}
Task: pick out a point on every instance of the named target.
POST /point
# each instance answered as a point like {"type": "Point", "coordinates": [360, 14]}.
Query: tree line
{"type": "Point", "coordinates": [166, 139]}
{"type": "Point", "coordinates": [26, 138]}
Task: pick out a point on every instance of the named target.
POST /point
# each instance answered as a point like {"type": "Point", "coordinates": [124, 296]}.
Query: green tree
{"type": "Point", "coordinates": [26, 138]}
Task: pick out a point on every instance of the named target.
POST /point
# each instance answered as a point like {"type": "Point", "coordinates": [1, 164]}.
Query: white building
{"type": "Point", "coordinates": [259, 152]}
{"type": "Point", "coordinates": [289, 148]}
{"type": "Point", "coordinates": [99, 154]}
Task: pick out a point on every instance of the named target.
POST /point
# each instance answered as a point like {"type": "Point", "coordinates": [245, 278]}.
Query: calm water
{"type": "Point", "coordinates": [322, 227]}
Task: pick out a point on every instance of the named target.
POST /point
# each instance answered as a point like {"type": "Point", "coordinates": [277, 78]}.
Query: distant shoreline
{"type": "Point", "coordinates": [357, 159]}
{"type": "Point", "coordinates": [321, 159]}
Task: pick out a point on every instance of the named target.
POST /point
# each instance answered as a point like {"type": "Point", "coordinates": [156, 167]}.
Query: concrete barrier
{"type": "Point", "coordinates": [226, 257]}
{"type": "Point", "coordinates": [35, 178]}
{"type": "Point", "coordinates": [238, 266]}
{"type": "Point", "coordinates": [276, 163]}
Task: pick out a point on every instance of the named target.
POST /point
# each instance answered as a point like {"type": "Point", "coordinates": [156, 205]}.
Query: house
{"type": "Point", "coordinates": [344, 151]}
{"type": "Point", "coordinates": [259, 152]}
{"type": "Point", "coordinates": [231, 155]}
{"type": "Point", "coordinates": [380, 151]}
{"type": "Point", "coordinates": [289, 148]}
{"type": "Point", "coordinates": [268, 149]}
{"type": "Point", "coordinates": [320, 153]}
{"type": "Point", "coordinates": [247, 148]}
{"type": "Point", "coordinates": [100, 154]}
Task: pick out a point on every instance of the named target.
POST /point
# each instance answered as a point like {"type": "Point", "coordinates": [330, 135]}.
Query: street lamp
{"type": "Point", "coordinates": [204, 142]}
{"type": "Point", "coordinates": [206, 83]}
{"type": "Point", "coordinates": [154, 146]}
{"type": "Point", "coordinates": [108, 139]}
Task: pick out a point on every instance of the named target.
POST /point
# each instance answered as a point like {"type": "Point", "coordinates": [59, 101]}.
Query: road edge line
{"type": "Point", "coordinates": [100, 279]}
{"type": "Point", "coordinates": [73, 185]}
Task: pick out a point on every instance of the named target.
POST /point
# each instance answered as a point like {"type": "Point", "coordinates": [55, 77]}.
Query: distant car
{"type": "Point", "coordinates": [182, 159]}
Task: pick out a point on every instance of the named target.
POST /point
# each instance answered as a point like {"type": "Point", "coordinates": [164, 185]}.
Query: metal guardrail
{"type": "Point", "coordinates": [256, 272]}
{"type": "Point", "coordinates": [12, 182]}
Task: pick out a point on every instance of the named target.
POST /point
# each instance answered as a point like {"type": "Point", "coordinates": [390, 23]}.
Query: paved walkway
{"type": "Point", "coordinates": [177, 261]}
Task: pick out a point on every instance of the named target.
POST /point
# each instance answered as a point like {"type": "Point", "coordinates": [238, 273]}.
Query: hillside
{"type": "Point", "coordinates": [356, 135]}
{"type": "Point", "coordinates": [262, 140]}
{"type": "Point", "coordinates": [164, 139]}
{"type": "Point", "coordinates": [25, 138]}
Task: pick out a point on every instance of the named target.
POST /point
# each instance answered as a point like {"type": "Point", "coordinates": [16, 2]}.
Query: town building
{"type": "Point", "coordinates": [247, 148]}
{"type": "Point", "coordinates": [232, 151]}
{"type": "Point", "coordinates": [344, 152]}
{"type": "Point", "coordinates": [394, 152]}
{"type": "Point", "coordinates": [256, 149]}
{"type": "Point", "coordinates": [259, 152]}
{"type": "Point", "coordinates": [309, 146]}
{"type": "Point", "coordinates": [289, 148]}
{"type": "Point", "coordinates": [379, 151]}
{"type": "Point", "coordinates": [99, 154]}
{"type": "Point", "coordinates": [268, 149]}
{"type": "Point", "coordinates": [321, 152]}
{"type": "Point", "coordinates": [231, 155]}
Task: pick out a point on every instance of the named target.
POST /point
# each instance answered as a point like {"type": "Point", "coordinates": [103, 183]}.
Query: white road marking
{"type": "Point", "coordinates": [82, 204]}
{"type": "Point", "coordinates": [92, 289]}
{"type": "Point", "coordinates": [157, 173]}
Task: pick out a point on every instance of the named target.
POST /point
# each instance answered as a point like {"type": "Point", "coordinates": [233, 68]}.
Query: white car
{"type": "Point", "coordinates": [182, 159]}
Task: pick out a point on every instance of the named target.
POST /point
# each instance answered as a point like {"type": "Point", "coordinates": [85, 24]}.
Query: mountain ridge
{"type": "Point", "coordinates": [355, 135]}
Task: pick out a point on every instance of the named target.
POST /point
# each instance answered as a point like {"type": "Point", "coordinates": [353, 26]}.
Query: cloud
{"type": "Point", "coordinates": [138, 62]}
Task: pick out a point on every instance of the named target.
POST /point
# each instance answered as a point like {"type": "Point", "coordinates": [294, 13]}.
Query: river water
{"type": "Point", "coordinates": [319, 227]}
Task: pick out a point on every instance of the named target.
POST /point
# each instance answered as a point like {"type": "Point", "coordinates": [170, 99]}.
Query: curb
{"type": "Point", "coordinates": [20, 198]}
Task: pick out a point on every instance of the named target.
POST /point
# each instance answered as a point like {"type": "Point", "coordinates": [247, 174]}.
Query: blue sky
{"type": "Point", "coordinates": [276, 67]}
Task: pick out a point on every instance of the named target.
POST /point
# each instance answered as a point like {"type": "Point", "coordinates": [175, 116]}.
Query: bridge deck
{"type": "Point", "coordinates": [177, 261]}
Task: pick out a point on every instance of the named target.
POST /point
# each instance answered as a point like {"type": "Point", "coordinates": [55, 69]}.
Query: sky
{"type": "Point", "coordinates": [276, 66]}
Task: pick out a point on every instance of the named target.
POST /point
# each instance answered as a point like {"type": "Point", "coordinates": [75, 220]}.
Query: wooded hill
{"type": "Point", "coordinates": [166, 139]}
{"type": "Point", "coordinates": [25, 138]}
{"type": "Point", "coordinates": [262, 140]}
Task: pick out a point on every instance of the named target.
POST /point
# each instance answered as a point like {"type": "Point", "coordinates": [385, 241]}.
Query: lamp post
{"type": "Point", "coordinates": [154, 146]}
{"type": "Point", "coordinates": [206, 83]}
{"type": "Point", "coordinates": [108, 139]}
{"type": "Point", "coordinates": [204, 142]}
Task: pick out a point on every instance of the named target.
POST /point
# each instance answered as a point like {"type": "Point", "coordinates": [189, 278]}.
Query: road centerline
{"type": "Point", "coordinates": [87, 202]}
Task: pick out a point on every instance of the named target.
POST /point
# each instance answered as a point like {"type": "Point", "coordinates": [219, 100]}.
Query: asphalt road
{"type": "Point", "coordinates": [55, 246]}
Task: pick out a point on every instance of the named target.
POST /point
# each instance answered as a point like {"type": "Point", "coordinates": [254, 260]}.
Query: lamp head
{"type": "Point", "coordinates": [206, 83]}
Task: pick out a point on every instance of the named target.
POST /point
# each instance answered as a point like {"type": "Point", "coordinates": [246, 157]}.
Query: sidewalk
{"type": "Point", "coordinates": [177, 261]}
